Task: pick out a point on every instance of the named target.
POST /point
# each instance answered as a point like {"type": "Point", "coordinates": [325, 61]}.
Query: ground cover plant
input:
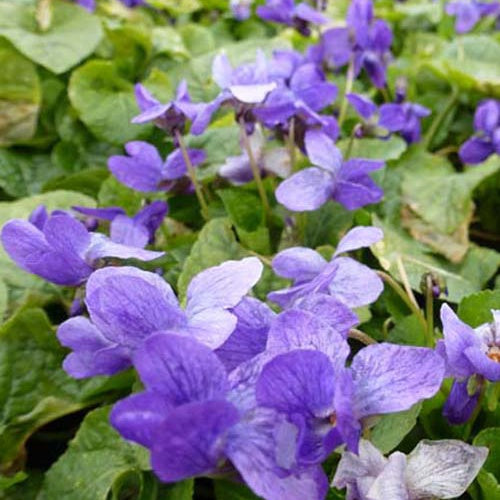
{"type": "Point", "coordinates": [249, 250]}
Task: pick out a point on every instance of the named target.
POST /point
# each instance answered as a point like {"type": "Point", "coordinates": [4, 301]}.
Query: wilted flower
{"type": "Point", "coordinates": [487, 141]}
{"type": "Point", "coordinates": [469, 12]}
{"type": "Point", "coordinates": [434, 469]}
{"type": "Point", "coordinates": [347, 182]}
{"type": "Point", "coordinates": [193, 424]}
{"type": "Point", "coordinates": [286, 12]}
{"type": "Point", "coordinates": [347, 280]}
{"type": "Point", "coordinates": [144, 170]}
{"type": "Point", "coordinates": [365, 42]}
{"type": "Point", "coordinates": [126, 305]}
{"type": "Point", "coordinates": [61, 250]}
{"type": "Point", "coordinates": [468, 352]}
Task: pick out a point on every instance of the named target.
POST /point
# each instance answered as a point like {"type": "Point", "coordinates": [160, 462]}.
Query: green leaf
{"type": "Point", "coordinates": [105, 102]}
{"type": "Point", "coordinates": [441, 196]}
{"type": "Point", "coordinates": [198, 39]}
{"type": "Point", "coordinates": [471, 61]}
{"type": "Point", "coordinates": [27, 489]}
{"type": "Point", "coordinates": [491, 439]}
{"type": "Point", "coordinates": [168, 41]}
{"type": "Point", "coordinates": [22, 174]}
{"type": "Point", "coordinates": [216, 243]}
{"type": "Point", "coordinates": [21, 209]}
{"type": "Point", "coordinates": [391, 429]}
{"type": "Point", "coordinates": [72, 35]}
{"type": "Point", "coordinates": [246, 213]}
{"type": "Point", "coordinates": [407, 331]}
{"type": "Point", "coordinates": [374, 149]}
{"type": "Point", "coordinates": [326, 225]}
{"type": "Point", "coordinates": [114, 193]}
{"type": "Point", "coordinates": [461, 279]}
{"type": "Point", "coordinates": [226, 490]}
{"type": "Point", "coordinates": [476, 309]}
{"type": "Point", "coordinates": [34, 389]}
{"type": "Point", "coordinates": [20, 96]}
{"type": "Point", "coordinates": [98, 460]}
{"type": "Point", "coordinates": [7, 482]}
{"type": "Point", "coordinates": [87, 182]}
{"type": "Point", "coordinates": [489, 485]}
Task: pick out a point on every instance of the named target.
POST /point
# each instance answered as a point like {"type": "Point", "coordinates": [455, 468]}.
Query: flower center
{"type": "Point", "coordinates": [494, 353]}
{"type": "Point", "coordinates": [332, 419]}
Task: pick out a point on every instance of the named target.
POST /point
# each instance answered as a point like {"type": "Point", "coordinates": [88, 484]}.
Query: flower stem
{"type": "Point", "coordinates": [475, 413]}
{"type": "Point", "coordinates": [351, 142]}
{"type": "Point", "coordinates": [291, 143]}
{"type": "Point", "coordinates": [354, 333]}
{"type": "Point", "coordinates": [438, 120]}
{"type": "Point", "coordinates": [255, 168]}
{"type": "Point", "coordinates": [192, 175]}
{"type": "Point", "coordinates": [404, 297]}
{"type": "Point", "coordinates": [348, 89]}
{"type": "Point", "coordinates": [405, 281]}
{"type": "Point", "coordinates": [429, 310]}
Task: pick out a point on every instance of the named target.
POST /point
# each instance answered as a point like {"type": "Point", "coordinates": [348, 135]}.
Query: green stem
{"type": "Point", "coordinates": [351, 142]}
{"type": "Point", "coordinates": [348, 89]}
{"type": "Point", "coordinates": [255, 169]}
{"type": "Point", "coordinates": [476, 412]}
{"type": "Point", "coordinates": [354, 333]}
{"type": "Point", "coordinates": [438, 120]}
{"type": "Point", "coordinates": [429, 311]}
{"type": "Point", "coordinates": [404, 297]}
{"type": "Point", "coordinates": [192, 176]}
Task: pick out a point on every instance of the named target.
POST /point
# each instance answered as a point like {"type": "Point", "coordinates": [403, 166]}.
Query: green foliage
{"type": "Point", "coordinates": [97, 462]}
{"type": "Point", "coordinates": [476, 309]}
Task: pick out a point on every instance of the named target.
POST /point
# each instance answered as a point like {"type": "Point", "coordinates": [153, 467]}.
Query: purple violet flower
{"type": "Point", "coordinates": [303, 94]}
{"type": "Point", "coordinates": [136, 231]}
{"type": "Point", "coordinates": [171, 116]}
{"type": "Point", "coordinates": [144, 170]}
{"type": "Point", "coordinates": [243, 87]}
{"type": "Point", "coordinates": [286, 12]}
{"type": "Point", "coordinates": [275, 161]}
{"type": "Point", "coordinates": [347, 182]}
{"type": "Point", "coordinates": [241, 9]}
{"type": "Point", "coordinates": [487, 141]}
{"type": "Point", "coordinates": [401, 117]}
{"type": "Point", "coordinates": [87, 4]}
{"type": "Point", "coordinates": [469, 12]}
{"type": "Point", "coordinates": [468, 352]}
{"type": "Point", "coordinates": [434, 469]}
{"type": "Point", "coordinates": [61, 250]}
{"type": "Point", "coordinates": [193, 425]}
{"type": "Point", "coordinates": [126, 305]}
{"type": "Point", "coordinates": [345, 279]}
{"type": "Point", "coordinates": [328, 402]}
{"type": "Point", "coordinates": [365, 41]}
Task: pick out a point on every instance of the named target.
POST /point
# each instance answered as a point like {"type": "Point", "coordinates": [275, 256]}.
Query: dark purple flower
{"type": "Point", "coordinates": [274, 161]}
{"type": "Point", "coordinates": [328, 402]}
{"type": "Point", "coordinates": [395, 117]}
{"type": "Point", "coordinates": [347, 182]}
{"type": "Point", "coordinates": [345, 279]}
{"type": "Point", "coordinates": [468, 352]}
{"type": "Point", "coordinates": [62, 251]}
{"type": "Point", "coordinates": [365, 41]}
{"type": "Point", "coordinates": [286, 12]}
{"type": "Point", "coordinates": [136, 231]}
{"type": "Point", "coordinates": [242, 87]}
{"type": "Point", "coordinates": [469, 12]}
{"type": "Point", "coordinates": [434, 469]}
{"type": "Point", "coordinates": [302, 94]}
{"type": "Point", "coordinates": [144, 170]}
{"type": "Point", "coordinates": [192, 424]}
{"type": "Point", "coordinates": [487, 141]}
{"type": "Point", "coordinates": [403, 118]}
{"type": "Point", "coordinates": [171, 116]}
{"type": "Point", "coordinates": [126, 305]}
